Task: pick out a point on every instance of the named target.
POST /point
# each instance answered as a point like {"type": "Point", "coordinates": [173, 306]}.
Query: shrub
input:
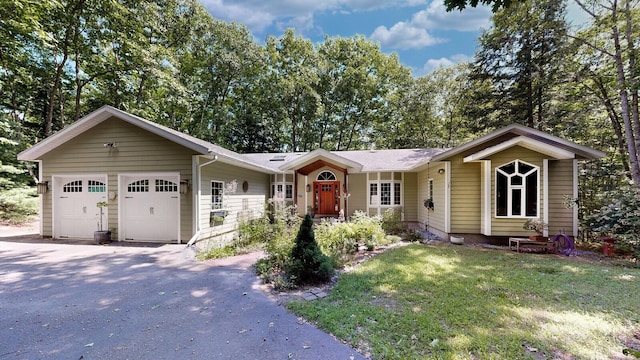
{"type": "Point", "coordinates": [341, 240]}
{"type": "Point", "coordinates": [413, 236]}
{"type": "Point", "coordinates": [18, 205]}
{"type": "Point", "coordinates": [217, 253]}
{"type": "Point", "coordinates": [392, 221]}
{"type": "Point", "coordinates": [621, 220]}
{"type": "Point", "coordinates": [308, 263]}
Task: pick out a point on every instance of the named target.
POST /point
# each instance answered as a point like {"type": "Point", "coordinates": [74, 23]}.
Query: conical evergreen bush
{"type": "Point", "coordinates": [308, 263]}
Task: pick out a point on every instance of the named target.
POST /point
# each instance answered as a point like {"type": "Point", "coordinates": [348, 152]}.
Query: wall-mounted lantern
{"type": "Point", "coordinates": [43, 187]}
{"type": "Point", "coordinates": [440, 171]}
{"type": "Point", "coordinates": [184, 186]}
{"type": "Point", "coordinates": [308, 187]}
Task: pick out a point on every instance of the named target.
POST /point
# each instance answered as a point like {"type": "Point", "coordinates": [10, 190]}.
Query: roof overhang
{"type": "Point", "coordinates": [525, 142]}
{"type": "Point", "coordinates": [579, 151]}
{"type": "Point", "coordinates": [321, 156]}
{"type": "Point", "coordinates": [106, 112]}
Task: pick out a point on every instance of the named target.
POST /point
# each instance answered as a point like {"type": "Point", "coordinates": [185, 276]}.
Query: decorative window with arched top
{"type": "Point", "coordinates": [326, 176]}
{"type": "Point", "coordinates": [517, 190]}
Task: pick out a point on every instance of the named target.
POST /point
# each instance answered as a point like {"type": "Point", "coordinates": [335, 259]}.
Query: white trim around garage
{"type": "Point", "coordinates": [146, 208]}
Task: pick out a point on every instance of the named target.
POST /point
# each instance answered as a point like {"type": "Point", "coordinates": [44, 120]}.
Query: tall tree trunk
{"type": "Point", "coordinates": [615, 122]}
{"type": "Point", "coordinates": [14, 99]}
{"type": "Point", "coordinates": [624, 100]}
{"type": "Point", "coordinates": [633, 78]}
{"type": "Point", "coordinates": [64, 50]}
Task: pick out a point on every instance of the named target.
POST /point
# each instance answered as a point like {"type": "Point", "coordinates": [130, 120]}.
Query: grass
{"type": "Point", "coordinates": [449, 302]}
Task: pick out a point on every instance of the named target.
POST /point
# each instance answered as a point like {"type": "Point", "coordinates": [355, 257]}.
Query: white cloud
{"type": "Point", "coordinates": [414, 34]}
{"type": "Point", "coordinates": [258, 15]}
{"type": "Point", "coordinates": [403, 36]}
{"type": "Point", "coordinates": [436, 17]}
{"type": "Point", "coordinates": [433, 64]}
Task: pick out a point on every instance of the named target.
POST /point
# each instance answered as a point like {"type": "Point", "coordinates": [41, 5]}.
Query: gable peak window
{"type": "Point", "coordinates": [517, 185]}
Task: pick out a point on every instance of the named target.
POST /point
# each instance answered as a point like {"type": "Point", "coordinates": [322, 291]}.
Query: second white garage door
{"type": "Point", "coordinates": [150, 206]}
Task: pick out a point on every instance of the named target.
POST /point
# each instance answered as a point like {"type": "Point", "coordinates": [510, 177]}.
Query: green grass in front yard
{"type": "Point", "coordinates": [468, 303]}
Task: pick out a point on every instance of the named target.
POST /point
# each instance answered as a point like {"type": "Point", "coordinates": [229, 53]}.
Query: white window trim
{"type": "Point", "coordinates": [213, 207]}
{"type": "Point", "coordinates": [523, 192]}
{"type": "Point", "coordinates": [284, 186]}
{"type": "Point", "coordinates": [378, 184]}
{"type": "Point", "coordinates": [335, 178]}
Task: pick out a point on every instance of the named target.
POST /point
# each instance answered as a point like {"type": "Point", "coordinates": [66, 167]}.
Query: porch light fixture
{"type": "Point", "coordinates": [184, 186]}
{"type": "Point", "coordinates": [43, 187]}
{"type": "Point", "coordinates": [308, 187]}
{"type": "Point", "coordinates": [440, 171]}
{"type": "Point", "coordinates": [111, 145]}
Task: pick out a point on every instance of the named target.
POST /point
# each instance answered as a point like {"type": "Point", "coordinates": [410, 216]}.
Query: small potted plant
{"type": "Point", "coordinates": [537, 225]}
{"type": "Point", "coordinates": [101, 236]}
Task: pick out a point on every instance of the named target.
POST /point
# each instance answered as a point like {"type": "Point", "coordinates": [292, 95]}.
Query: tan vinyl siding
{"type": "Point", "coordinates": [433, 219]}
{"type": "Point", "coordinates": [358, 191]}
{"type": "Point", "coordinates": [560, 183]}
{"type": "Point", "coordinates": [465, 196]}
{"type": "Point", "coordinates": [253, 200]}
{"type": "Point", "coordinates": [137, 151]}
{"type": "Point", "coordinates": [410, 205]}
{"type": "Point", "coordinates": [513, 226]}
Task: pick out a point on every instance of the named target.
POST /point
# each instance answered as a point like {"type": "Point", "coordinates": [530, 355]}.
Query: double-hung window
{"type": "Point", "coordinates": [217, 192]}
{"type": "Point", "coordinates": [282, 191]}
{"type": "Point", "coordinates": [517, 185]}
{"type": "Point", "coordinates": [389, 193]}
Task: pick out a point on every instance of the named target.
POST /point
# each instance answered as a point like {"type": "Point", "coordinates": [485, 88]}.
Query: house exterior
{"type": "Point", "coordinates": [165, 186]}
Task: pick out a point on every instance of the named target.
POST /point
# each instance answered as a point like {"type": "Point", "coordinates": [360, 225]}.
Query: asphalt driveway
{"type": "Point", "coordinates": [72, 301]}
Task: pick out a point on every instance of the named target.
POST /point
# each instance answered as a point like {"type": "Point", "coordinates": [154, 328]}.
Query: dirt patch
{"type": "Point", "coordinates": [28, 228]}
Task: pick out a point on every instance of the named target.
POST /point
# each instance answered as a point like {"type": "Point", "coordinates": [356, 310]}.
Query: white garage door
{"type": "Point", "coordinates": [75, 214]}
{"type": "Point", "coordinates": [150, 207]}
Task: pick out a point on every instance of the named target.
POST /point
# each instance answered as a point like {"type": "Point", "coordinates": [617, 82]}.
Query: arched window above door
{"type": "Point", "coordinates": [326, 176]}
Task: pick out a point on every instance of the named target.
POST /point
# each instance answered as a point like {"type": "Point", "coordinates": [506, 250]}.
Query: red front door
{"type": "Point", "coordinates": [327, 197]}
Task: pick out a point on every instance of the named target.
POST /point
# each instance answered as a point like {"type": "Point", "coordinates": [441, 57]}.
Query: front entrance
{"type": "Point", "coordinates": [327, 197]}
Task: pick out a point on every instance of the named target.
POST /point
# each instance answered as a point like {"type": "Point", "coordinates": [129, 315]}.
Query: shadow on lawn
{"type": "Point", "coordinates": [442, 301]}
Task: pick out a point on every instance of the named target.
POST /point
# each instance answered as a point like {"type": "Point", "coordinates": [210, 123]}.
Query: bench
{"type": "Point", "coordinates": [528, 243]}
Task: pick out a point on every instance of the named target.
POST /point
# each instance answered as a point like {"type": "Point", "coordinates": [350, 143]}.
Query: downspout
{"type": "Point", "coordinates": [196, 235]}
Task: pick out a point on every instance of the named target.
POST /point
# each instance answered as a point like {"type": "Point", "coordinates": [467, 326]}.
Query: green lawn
{"type": "Point", "coordinates": [455, 302]}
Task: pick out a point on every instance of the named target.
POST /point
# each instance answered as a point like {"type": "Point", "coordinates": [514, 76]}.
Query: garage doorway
{"type": "Point", "coordinates": [150, 207]}
{"type": "Point", "coordinates": [75, 213]}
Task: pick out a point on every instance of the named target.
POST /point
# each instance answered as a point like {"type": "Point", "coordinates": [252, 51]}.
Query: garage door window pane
{"type": "Point", "coordinates": [96, 186]}
{"type": "Point", "coordinates": [139, 186]}
{"type": "Point", "coordinates": [73, 186]}
{"type": "Point", "coordinates": [166, 186]}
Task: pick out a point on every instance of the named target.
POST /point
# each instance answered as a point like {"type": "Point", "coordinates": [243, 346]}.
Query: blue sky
{"type": "Point", "coordinates": [423, 34]}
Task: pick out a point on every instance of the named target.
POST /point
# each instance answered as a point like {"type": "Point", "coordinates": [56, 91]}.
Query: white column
{"type": "Point", "coordinates": [545, 195]}
{"type": "Point", "coordinates": [487, 197]}
{"type": "Point", "coordinates": [447, 198]}
{"type": "Point", "coordinates": [575, 196]}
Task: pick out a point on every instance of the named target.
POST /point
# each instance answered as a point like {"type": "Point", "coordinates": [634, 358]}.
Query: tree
{"type": "Point", "coordinates": [521, 57]}
{"type": "Point", "coordinates": [462, 4]}
{"type": "Point", "coordinates": [616, 42]}
{"type": "Point", "coordinates": [293, 73]}
{"type": "Point", "coordinates": [308, 263]}
{"type": "Point", "coordinates": [356, 83]}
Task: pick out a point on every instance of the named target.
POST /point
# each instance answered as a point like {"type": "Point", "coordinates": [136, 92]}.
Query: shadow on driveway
{"type": "Point", "coordinates": [74, 301]}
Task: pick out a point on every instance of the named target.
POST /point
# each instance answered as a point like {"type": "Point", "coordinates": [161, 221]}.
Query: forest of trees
{"type": "Point", "coordinates": [170, 62]}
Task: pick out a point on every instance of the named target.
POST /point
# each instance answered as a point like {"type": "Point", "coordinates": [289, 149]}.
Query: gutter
{"type": "Point", "coordinates": [196, 235]}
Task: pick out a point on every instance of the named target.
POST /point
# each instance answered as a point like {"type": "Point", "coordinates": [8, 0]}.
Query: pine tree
{"type": "Point", "coordinates": [308, 263]}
